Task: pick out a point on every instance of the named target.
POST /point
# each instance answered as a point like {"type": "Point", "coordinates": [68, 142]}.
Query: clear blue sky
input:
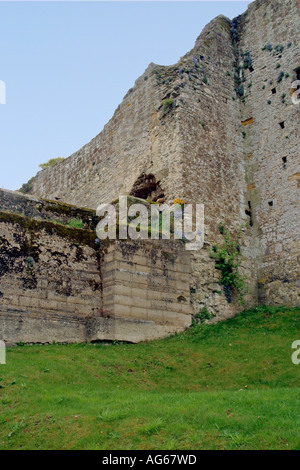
{"type": "Point", "coordinates": [67, 66]}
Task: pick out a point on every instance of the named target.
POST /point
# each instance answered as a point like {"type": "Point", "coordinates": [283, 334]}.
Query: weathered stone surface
{"type": "Point", "coordinates": [142, 282]}
{"type": "Point", "coordinates": [185, 129]}
{"type": "Point", "coordinates": [271, 152]}
{"type": "Point", "coordinates": [45, 209]}
{"type": "Point", "coordinates": [56, 285]}
{"type": "Point", "coordinates": [129, 330]}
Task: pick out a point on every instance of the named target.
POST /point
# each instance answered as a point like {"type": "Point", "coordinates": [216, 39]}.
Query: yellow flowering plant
{"type": "Point", "coordinates": [179, 201]}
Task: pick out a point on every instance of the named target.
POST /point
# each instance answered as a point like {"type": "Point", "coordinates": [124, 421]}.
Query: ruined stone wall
{"type": "Point", "coordinates": [49, 281]}
{"type": "Point", "coordinates": [208, 128]}
{"type": "Point", "coordinates": [56, 284]}
{"type": "Point", "coordinates": [177, 125]}
{"type": "Point", "coordinates": [44, 209]}
{"type": "Point", "coordinates": [211, 149]}
{"type": "Point", "coordinates": [148, 280]}
{"type": "Point", "coordinates": [244, 164]}
{"type": "Point", "coordinates": [271, 145]}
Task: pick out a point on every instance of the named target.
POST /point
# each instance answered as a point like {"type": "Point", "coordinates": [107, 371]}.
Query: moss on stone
{"type": "Point", "coordinates": [64, 208]}
{"type": "Point", "coordinates": [81, 236]}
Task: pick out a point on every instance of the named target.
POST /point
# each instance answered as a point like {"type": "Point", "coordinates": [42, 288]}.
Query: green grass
{"type": "Point", "coordinates": [226, 386]}
{"type": "Point", "coordinates": [75, 223]}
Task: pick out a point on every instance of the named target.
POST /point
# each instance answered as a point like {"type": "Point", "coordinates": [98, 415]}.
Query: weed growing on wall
{"type": "Point", "coordinates": [51, 162]}
{"type": "Point", "coordinates": [168, 105]}
{"type": "Point", "coordinates": [30, 264]}
{"type": "Point", "coordinates": [228, 258]}
{"type": "Point", "coordinates": [203, 315]}
{"type": "Point", "coordinates": [75, 223]}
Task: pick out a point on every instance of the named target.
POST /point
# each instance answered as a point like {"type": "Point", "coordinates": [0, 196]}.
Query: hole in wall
{"type": "Point", "coordinates": [251, 69]}
{"type": "Point", "coordinates": [284, 161]}
{"type": "Point", "coordinates": [274, 91]}
{"type": "Point", "coordinates": [270, 203]}
{"type": "Point", "coordinates": [248, 212]}
{"type": "Point", "coordinates": [297, 72]}
{"type": "Point", "coordinates": [146, 187]}
{"type": "Point", "coordinates": [282, 125]}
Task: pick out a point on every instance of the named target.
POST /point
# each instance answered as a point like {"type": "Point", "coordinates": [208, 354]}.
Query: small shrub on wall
{"type": "Point", "coordinates": [51, 162]}
{"type": "Point", "coordinates": [228, 259]}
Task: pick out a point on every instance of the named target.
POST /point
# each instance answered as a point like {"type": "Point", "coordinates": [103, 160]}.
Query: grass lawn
{"type": "Point", "coordinates": [226, 386]}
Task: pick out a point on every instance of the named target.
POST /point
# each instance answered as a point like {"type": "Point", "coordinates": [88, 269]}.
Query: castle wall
{"type": "Point", "coordinates": [271, 152]}
{"type": "Point", "coordinates": [56, 284]}
{"type": "Point", "coordinates": [185, 144]}
{"type": "Point", "coordinates": [148, 280]}
{"type": "Point", "coordinates": [212, 160]}
{"type": "Point", "coordinates": [209, 128]}
{"type": "Point", "coordinates": [45, 209]}
{"type": "Point", "coordinates": [49, 281]}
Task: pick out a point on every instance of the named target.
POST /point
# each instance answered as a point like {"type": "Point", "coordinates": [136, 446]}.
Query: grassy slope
{"type": "Point", "coordinates": [226, 386]}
